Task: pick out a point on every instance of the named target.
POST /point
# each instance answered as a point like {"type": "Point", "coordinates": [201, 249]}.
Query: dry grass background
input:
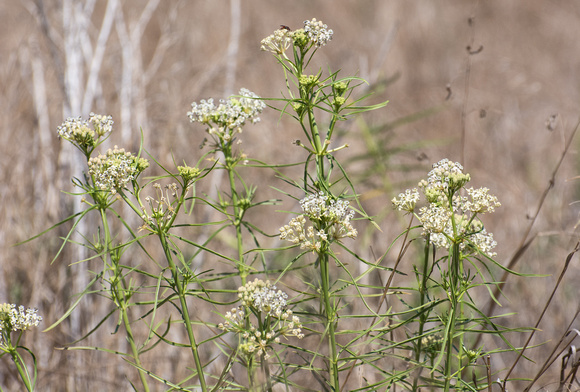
{"type": "Point", "coordinates": [414, 53]}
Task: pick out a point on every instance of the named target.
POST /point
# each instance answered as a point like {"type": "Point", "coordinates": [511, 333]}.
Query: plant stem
{"type": "Point", "coordinates": [237, 220]}
{"type": "Point", "coordinates": [180, 290]}
{"type": "Point", "coordinates": [454, 287]}
{"type": "Point", "coordinates": [22, 371]}
{"type": "Point", "coordinates": [422, 297]}
{"type": "Point", "coordinates": [119, 293]}
{"type": "Point", "coordinates": [330, 319]}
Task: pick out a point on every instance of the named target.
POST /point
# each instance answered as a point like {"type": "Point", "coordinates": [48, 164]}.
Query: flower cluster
{"type": "Point", "coordinates": [263, 297]}
{"type": "Point", "coordinates": [449, 216]}
{"type": "Point", "coordinates": [85, 134]}
{"type": "Point", "coordinates": [318, 32]}
{"type": "Point", "coordinates": [188, 173]}
{"type": "Point", "coordinates": [315, 33]}
{"type": "Point", "coordinates": [431, 344]}
{"type": "Point", "coordinates": [228, 117]}
{"type": "Point", "coordinates": [278, 42]}
{"type": "Point", "coordinates": [266, 302]}
{"type": "Point", "coordinates": [406, 201]}
{"type": "Point", "coordinates": [115, 169]}
{"type": "Point", "coordinates": [445, 179]}
{"type": "Point", "coordinates": [14, 319]}
{"type": "Point", "coordinates": [331, 219]}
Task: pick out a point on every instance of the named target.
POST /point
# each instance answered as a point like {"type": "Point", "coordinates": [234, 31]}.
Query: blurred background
{"type": "Point", "coordinates": [493, 84]}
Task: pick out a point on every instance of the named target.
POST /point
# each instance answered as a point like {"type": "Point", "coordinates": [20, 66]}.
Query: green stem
{"type": "Point", "coordinates": [134, 349]}
{"type": "Point", "coordinates": [330, 319]}
{"type": "Point", "coordinates": [22, 371]}
{"type": "Point", "coordinates": [266, 371]}
{"type": "Point", "coordinates": [454, 287]}
{"type": "Point", "coordinates": [422, 298]}
{"type": "Point", "coordinates": [119, 290]}
{"type": "Point", "coordinates": [180, 290]}
{"type": "Point", "coordinates": [318, 148]}
{"type": "Point", "coordinates": [237, 220]}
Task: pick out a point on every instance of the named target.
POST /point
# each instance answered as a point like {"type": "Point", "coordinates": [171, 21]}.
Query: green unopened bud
{"type": "Point", "coordinates": [457, 180]}
{"type": "Point", "coordinates": [338, 102]}
{"type": "Point", "coordinates": [471, 355]}
{"type": "Point", "coordinates": [340, 88]}
{"type": "Point", "coordinates": [307, 80]}
{"type": "Point", "coordinates": [244, 203]}
{"type": "Point", "coordinates": [188, 173]}
{"type": "Point", "coordinates": [141, 164]}
{"type": "Point", "coordinates": [301, 39]}
{"type": "Point", "coordinates": [299, 108]}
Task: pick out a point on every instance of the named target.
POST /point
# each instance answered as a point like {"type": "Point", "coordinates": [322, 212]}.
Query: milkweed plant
{"type": "Point", "coordinates": [319, 320]}
{"type": "Point", "coordinates": [13, 322]}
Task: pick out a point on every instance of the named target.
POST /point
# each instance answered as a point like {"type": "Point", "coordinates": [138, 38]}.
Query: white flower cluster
{"type": "Point", "coordinates": [481, 201]}
{"type": "Point", "coordinates": [331, 218]}
{"type": "Point", "coordinates": [278, 42]}
{"type": "Point", "coordinates": [474, 235]}
{"type": "Point", "coordinates": [447, 221]}
{"type": "Point", "coordinates": [318, 32]}
{"type": "Point", "coordinates": [80, 132]}
{"type": "Point", "coordinates": [445, 178]}
{"type": "Point", "coordinates": [260, 297]}
{"type": "Point", "coordinates": [226, 118]}
{"type": "Point", "coordinates": [264, 297]}
{"type": "Point", "coordinates": [406, 201]}
{"type": "Point", "coordinates": [115, 169]}
{"type": "Point", "coordinates": [15, 319]}
{"type": "Point", "coordinates": [295, 232]}
{"type": "Point", "coordinates": [102, 124]}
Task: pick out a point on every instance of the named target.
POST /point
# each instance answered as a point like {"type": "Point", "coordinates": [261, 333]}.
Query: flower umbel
{"type": "Point", "coordinates": [318, 33]}
{"type": "Point", "coordinates": [315, 33]}
{"type": "Point", "coordinates": [227, 118]}
{"type": "Point", "coordinates": [115, 169]}
{"type": "Point", "coordinates": [278, 42]}
{"type": "Point", "coordinates": [14, 319]}
{"type": "Point", "coordinates": [450, 217]}
{"type": "Point", "coordinates": [331, 219]}
{"type": "Point", "coordinates": [85, 134]}
{"type": "Point", "coordinates": [263, 297]}
{"type": "Point", "coordinates": [268, 304]}
{"type": "Point", "coordinates": [406, 201]}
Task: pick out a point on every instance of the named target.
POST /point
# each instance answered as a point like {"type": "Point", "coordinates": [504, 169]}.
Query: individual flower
{"type": "Point", "coordinates": [227, 118]}
{"type": "Point", "coordinates": [263, 300]}
{"type": "Point", "coordinates": [318, 33]}
{"type": "Point", "coordinates": [115, 169]}
{"type": "Point", "coordinates": [85, 134]}
{"type": "Point", "coordinates": [16, 319]}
